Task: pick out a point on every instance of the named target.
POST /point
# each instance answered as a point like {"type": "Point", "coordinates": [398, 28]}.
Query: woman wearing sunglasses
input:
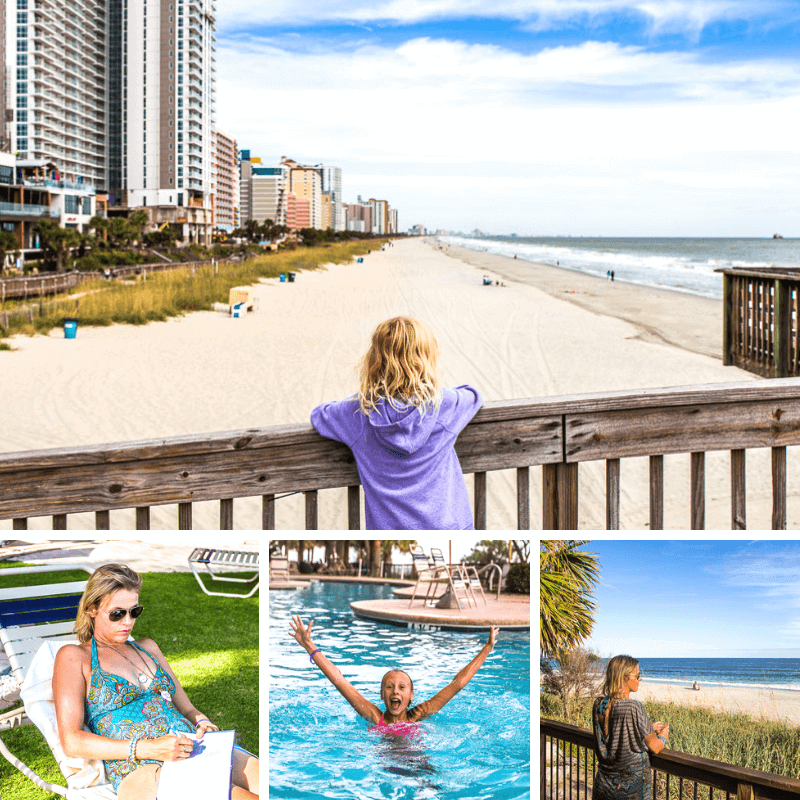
{"type": "Point", "coordinates": [135, 708]}
{"type": "Point", "coordinates": [623, 735]}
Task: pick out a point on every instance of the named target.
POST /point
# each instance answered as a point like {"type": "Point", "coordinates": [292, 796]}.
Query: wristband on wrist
{"type": "Point", "coordinates": [201, 719]}
{"type": "Point", "coordinates": [313, 654]}
{"type": "Point", "coordinates": [661, 737]}
{"type": "Point", "coordinates": [132, 749]}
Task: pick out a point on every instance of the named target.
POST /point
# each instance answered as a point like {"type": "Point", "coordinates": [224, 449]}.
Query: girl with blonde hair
{"type": "Point", "coordinates": [624, 735]}
{"type": "Point", "coordinates": [402, 427]}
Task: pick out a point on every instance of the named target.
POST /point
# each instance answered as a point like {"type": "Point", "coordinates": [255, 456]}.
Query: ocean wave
{"type": "Point", "coordinates": [717, 683]}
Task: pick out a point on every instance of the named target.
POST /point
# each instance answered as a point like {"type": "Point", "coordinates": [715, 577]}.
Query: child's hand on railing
{"type": "Point", "coordinates": [661, 728]}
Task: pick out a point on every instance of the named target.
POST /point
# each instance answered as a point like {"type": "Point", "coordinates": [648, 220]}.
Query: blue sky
{"type": "Point", "coordinates": [541, 117]}
{"type": "Point", "coordinates": [695, 599]}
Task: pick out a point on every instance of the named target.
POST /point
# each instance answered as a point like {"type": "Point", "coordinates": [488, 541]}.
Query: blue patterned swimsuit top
{"type": "Point", "coordinates": [119, 710]}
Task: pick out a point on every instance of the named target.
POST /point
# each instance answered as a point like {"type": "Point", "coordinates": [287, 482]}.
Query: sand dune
{"type": "Point", "coordinates": [207, 372]}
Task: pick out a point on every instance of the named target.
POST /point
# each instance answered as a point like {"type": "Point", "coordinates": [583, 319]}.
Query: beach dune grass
{"type": "Point", "coordinates": [161, 295]}
{"type": "Point", "coordinates": [211, 643]}
{"type": "Point", "coordinates": [732, 738]}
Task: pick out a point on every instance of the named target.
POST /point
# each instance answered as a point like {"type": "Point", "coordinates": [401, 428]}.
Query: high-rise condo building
{"type": "Point", "coordinates": [263, 191]}
{"type": "Point", "coordinates": [225, 181]}
{"type": "Point", "coordinates": [332, 183]}
{"type": "Point", "coordinates": [119, 95]}
{"type": "Point", "coordinates": [54, 101]}
{"type": "Point", "coordinates": [305, 183]}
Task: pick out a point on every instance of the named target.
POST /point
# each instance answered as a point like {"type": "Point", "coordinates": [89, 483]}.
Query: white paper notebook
{"type": "Point", "coordinates": [206, 774]}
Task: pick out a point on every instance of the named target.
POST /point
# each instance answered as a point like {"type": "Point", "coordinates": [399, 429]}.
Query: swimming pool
{"type": "Point", "coordinates": [477, 747]}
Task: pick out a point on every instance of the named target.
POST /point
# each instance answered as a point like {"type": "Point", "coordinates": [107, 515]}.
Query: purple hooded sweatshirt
{"type": "Point", "coordinates": [407, 463]}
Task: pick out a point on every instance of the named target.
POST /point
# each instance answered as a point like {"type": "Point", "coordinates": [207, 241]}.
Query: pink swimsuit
{"type": "Point", "coordinates": [409, 729]}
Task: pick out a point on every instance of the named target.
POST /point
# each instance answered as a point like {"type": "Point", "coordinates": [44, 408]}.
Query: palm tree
{"type": "Point", "coordinates": [567, 579]}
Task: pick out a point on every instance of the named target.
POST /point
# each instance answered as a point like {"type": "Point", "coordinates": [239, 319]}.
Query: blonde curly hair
{"type": "Point", "coordinates": [400, 367]}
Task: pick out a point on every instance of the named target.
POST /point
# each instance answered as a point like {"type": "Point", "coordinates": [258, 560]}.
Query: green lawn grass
{"type": "Point", "coordinates": [211, 643]}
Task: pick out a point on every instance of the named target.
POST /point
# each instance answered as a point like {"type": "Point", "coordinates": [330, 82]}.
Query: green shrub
{"type": "Point", "coordinates": [518, 580]}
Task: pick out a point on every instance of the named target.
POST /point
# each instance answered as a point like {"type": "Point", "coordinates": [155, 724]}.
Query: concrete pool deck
{"type": "Point", "coordinates": [511, 612]}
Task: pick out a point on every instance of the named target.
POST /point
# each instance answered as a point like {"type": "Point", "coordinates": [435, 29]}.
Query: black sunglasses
{"type": "Point", "coordinates": [119, 613]}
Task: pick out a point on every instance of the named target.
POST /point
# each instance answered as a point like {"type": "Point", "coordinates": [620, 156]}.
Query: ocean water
{"type": "Point", "coordinates": [685, 265]}
{"type": "Point", "coordinates": [775, 673]}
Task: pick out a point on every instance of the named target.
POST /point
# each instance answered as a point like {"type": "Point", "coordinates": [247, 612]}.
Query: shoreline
{"type": "Point", "coordinates": [661, 316]}
{"type": "Point", "coordinates": [779, 705]}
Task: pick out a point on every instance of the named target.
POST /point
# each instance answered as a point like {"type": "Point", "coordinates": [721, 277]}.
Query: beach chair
{"type": "Point", "coordinates": [35, 621]}
{"type": "Point", "coordinates": [459, 579]}
{"type": "Point", "coordinates": [279, 569]}
{"type": "Point", "coordinates": [438, 574]}
{"type": "Point", "coordinates": [471, 574]}
{"type": "Point", "coordinates": [214, 561]}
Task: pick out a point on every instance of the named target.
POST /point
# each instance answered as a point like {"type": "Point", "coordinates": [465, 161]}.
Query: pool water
{"type": "Point", "coordinates": [477, 746]}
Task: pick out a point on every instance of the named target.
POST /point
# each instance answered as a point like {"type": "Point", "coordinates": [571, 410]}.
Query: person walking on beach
{"type": "Point", "coordinates": [402, 426]}
{"type": "Point", "coordinates": [624, 735]}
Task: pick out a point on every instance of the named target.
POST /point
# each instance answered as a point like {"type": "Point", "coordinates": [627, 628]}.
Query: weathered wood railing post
{"type": "Point", "coordinates": [560, 501]}
{"type": "Point", "coordinates": [782, 328]}
{"type": "Point", "coordinates": [728, 325]}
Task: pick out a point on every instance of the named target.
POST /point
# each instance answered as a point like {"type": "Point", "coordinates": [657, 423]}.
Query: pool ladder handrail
{"type": "Point", "coordinates": [499, 576]}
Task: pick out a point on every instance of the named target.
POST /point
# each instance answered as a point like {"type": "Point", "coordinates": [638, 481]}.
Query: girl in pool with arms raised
{"type": "Point", "coordinates": [397, 688]}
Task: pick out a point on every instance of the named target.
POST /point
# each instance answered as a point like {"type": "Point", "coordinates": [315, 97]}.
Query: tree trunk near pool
{"type": "Point", "coordinates": [330, 549]}
{"type": "Point", "coordinates": [374, 549]}
{"type": "Point", "coordinates": [301, 546]}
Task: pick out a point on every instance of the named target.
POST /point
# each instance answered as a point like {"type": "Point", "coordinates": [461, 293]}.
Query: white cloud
{"type": "Point", "coordinates": [640, 136]}
{"type": "Point", "coordinates": [687, 16]}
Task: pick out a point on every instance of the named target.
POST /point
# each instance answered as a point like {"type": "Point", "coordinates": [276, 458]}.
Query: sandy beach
{"type": "Point", "coordinates": [208, 372]}
{"type": "Point", "coordinates": [755, 702]}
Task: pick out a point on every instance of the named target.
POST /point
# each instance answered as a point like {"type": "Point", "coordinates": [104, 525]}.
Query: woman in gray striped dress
{"type": "Point", "coordinates": [624, 735]}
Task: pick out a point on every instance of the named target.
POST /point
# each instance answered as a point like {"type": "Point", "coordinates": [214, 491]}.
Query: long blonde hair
{"type": "Point", "coordinates": [104, 580]}
{"type": "Point", "coordinates": [617, 669]}
{"type": "Point", "coordinates": [400, 366]}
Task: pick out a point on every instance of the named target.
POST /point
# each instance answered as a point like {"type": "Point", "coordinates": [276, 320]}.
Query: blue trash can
{"type": "Point", "coordinates": [283, 277]}
{"type": "Point", "coordinates": [70, 328]}
{"type": "Point", "coordinates": [360, 261]}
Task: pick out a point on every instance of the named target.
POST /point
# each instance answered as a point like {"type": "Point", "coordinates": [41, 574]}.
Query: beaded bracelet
{"type": "Point", "coordinates": [132, 749]}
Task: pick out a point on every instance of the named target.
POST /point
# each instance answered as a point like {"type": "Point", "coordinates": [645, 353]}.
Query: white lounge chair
{"type": "Point", "coordinates": [35, 621]}
{"type": "Point", "coordinates": [215, 561]}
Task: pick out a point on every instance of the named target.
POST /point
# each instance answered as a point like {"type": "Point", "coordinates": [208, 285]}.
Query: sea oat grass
{"type": "Point", "coordinates": [732, 738]}
{"type": "Point", "coordinates": [158, 296]}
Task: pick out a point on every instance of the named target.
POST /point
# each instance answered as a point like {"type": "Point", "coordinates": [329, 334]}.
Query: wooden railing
{"type": "Point", "coordinates": [555, 433]}
{"type": "Point", "coordinates": [760, 322]}
{"type": "Point", "coordinates": [568, 765]}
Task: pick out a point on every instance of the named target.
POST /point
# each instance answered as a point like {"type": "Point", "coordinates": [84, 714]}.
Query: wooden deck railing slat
{"type": "Point", "coordinates": [738, 482]}
{"type": "Point", "coordinates": [523, 499]}
{"type": "Point", "coordinates": [102, 520]}
{"type": "Point", "coordinates": [268, 512]}
{"type": "Point", "coordinates": [354, 508]}
{"type": "Point", "coordinates": [226, 514]}
{"type": "Point", "coordinates": [698, 482]}
{"type": "Point", "coordinates": [479, 497]}
{"type": "Point", "coordinates": [143, 518]}
{"type": "Point", "coordinates": [311, 511]}
{"type": "Point", "coordinates": [779, 488]}
{"type": "Point", "coordinates": [184, 516]}
{"type": "Point", "coordinates": [656, 493]}
{"type": "Point", "coordinates": [612, 493]}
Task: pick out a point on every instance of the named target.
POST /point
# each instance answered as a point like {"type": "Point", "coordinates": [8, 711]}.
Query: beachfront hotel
{"type": "Point", "coordinates": [118, 97]}
{"type": "Point", "coordinates": [224, 181]}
